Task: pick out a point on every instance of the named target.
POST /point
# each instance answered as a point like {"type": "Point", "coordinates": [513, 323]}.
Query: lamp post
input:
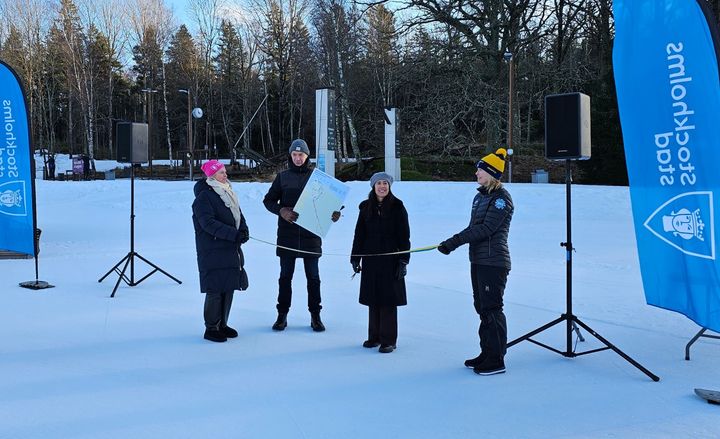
{"type": "Point", "coordinates": [509, 58]}
{"type": "Point", "coordinates": [189, 122]}
{"type": "Point", "coordinates": [509, 153]}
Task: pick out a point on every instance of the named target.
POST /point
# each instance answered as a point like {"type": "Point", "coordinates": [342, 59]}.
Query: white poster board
{"type": "Point", "coordinates": [322, 196]}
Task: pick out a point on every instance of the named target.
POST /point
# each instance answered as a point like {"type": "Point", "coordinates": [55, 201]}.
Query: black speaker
{"type": "Point", "coordinates": [131, 140]}
{"type": "Point", "coordinates": [567, 126]}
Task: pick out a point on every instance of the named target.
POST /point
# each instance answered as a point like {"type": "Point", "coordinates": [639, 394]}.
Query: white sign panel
{"type": "Point", "coordinates": [322, 196]}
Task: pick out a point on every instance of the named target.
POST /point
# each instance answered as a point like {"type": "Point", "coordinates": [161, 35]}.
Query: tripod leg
{"type": "Point", "coordinates": [616, 350]}
{"type": "Point", "coordinates": [122, 274]}
{"type": "Point", "coordinates": [536, 331]}
{"type": "Point", "coordinates": [156, 268]}
{"type": "Point", "coordinates": [114, 268]}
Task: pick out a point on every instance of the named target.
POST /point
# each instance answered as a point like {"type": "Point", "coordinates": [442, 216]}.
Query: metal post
{"type": "Point", "coordinates": [190, 139]}
{"type": "Point", "coordinates": [149, 120]}
{"type": "Point", "coordinates": [568, 253]}
{"type": "Point", "coordinates": [189, 129]}
{"type": "Point", "coordinates": [189, 122]}
{"type": "Point", "coordinates": [509, 58]}
{"type": "Point", "coordinates": [132, 223]}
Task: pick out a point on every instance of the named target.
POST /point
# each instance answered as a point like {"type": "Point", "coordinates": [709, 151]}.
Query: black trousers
{"type": "Point", "coordinates": [312, 274]}
{"type": "Point", "coordinates": [217, 309]}
{"type": "Point", "coordinates": [382, 324]}
{"type": "Point", "coordinates": [488, 284]}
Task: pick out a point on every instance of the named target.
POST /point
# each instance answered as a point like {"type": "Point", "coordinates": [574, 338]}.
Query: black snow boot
{"type": "Point", "coordinates": [229, 332]}
{"type": "Point", "coordinates": [474, 362]}
{"type": "Point", "coordinates": [490, 366]}
{"type": "Point", "coordinates": [214, 335]}
{"type": "Point", "coordinates": [386, 348]}
{"type": "Point", "coordinates": [281, 322]}
{"type": "Point", "coordinates": [315, 323]}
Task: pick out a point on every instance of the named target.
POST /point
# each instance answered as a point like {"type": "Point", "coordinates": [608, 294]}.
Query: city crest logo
{"type": "Point", "coordinates": [13, 199]}
{"type": "Point", "coordinates": [686, 223]}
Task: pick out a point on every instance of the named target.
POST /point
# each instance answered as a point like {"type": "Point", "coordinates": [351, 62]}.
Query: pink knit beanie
{"type": "Point", "coordinates": [211, 167]}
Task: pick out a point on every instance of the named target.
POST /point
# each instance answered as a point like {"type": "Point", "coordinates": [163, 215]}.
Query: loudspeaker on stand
{"type": "Point", "coordinates": [132, 142]}
{"type": "Point", "coordinates": [567, 126]}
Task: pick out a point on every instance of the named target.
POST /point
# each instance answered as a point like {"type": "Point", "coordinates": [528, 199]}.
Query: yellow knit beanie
{"type": "Point", "coordinates": [493, 164]}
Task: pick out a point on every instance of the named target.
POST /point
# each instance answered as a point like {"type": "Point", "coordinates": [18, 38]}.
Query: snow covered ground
{"type": "Point", "coordinates": [76, 363]}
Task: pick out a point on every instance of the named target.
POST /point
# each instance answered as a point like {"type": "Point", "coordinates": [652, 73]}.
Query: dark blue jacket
{"type": "Point", "coordinates": [488, 230]}
{"type": "Point", "coordinates": [220, 259]}
{"type": "Point", "coordinates": [285, 192]}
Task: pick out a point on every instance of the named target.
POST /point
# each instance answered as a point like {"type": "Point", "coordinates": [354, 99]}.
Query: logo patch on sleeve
{"type": "Point", "coordinates": [500, 204]}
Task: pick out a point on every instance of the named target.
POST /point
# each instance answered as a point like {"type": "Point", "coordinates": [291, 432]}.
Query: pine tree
{"type": "Point", "coordinates": [181, 72]}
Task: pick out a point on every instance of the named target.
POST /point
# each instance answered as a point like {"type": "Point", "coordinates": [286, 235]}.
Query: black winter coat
{"type": "Point", "coordinates": [220, 259]}
{"type": "Point", "coordinates": [385, 231]}
{"type": "Point", "coordinates": [488, 230]}
{"type": "Point", "coordinates": [285, 192]}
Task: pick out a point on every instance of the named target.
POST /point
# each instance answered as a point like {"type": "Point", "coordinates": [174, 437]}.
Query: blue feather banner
{"type": "Point", "coordinates": [17, 207]}
{"type": "Point", "coordinates": [666, 74]}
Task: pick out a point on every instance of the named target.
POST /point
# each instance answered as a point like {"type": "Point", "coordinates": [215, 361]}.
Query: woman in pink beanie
{"type": "Point", "coordinates": [220, 230]}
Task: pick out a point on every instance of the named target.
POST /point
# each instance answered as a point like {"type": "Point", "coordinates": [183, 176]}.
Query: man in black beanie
{"type": "Point", "coordinates": [280, 200]}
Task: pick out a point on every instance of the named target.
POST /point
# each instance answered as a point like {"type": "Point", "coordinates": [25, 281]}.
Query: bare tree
{"type": "Point", "coordinates": [31, 19]}
{"type": "Point", "coordinates": [382, 52]}
{"type": "Point", "coordinates": [207, 17]}
{"type": "Point", "coordinates": [235, 70]}
{"type": "Point", "coordinates": [153, 17]}
{"type": "Point", "coordinates": [79, 79]}
{"type": "Point", "coordinates": [338, 34]}
{"type": "Point", "coordinates": [281, 32]}
{"type": "Point", "coordinates": [112, 23]}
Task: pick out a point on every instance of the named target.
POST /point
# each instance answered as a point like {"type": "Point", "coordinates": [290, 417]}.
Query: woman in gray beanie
{"type": "Point", "coordinates": [382, 227]}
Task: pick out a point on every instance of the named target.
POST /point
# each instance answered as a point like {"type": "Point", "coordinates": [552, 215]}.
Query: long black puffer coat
{"type": "Point", "coordinates": [220, 259]}
{"type": "Point", "coordinates": [386, 230]}
{"type": "Point", "coordinates": [285, 192]}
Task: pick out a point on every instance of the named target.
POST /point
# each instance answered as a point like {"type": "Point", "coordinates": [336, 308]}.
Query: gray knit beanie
{"type": "Point", "coordinates": [299, 145]}
{"type": "Point", "coordinates": [378, 176]}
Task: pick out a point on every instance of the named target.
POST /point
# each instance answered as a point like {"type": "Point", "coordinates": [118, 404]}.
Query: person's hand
{"type": "Point", "coordinates": [401, 270]}
{"type": "Point", "coordinates": [356, 266]}
{"type": "Point", "coordinates": [288, 214]}
{"type": "Point", "coordinates": [242, 236]}
{"type": "Point", "coordinates": [335, 216]}
{"type": "Point", "coordinates": [443, 248]}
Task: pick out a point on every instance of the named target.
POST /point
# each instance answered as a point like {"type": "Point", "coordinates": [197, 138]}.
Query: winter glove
{"type": "Point", "coordinates": [288, 214]}
{"type": "Point", "coordinates": [335, 216]}
{"type": "Point", "coordinates": [449, 245]}
{"type": "Point", "coordinates": [356, 266]}
{"type": "Point", "coordinates": [242, 236]}
{"type": "Point", "coordinates": [401, 270]}
{"type": "Point", "coordinates": [442, 248]}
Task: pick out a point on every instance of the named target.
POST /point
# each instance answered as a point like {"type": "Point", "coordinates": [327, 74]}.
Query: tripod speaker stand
{"type": "Point", "coordinates": [568, 317]}
{"type": "Point", "coordinates": [132, 148]}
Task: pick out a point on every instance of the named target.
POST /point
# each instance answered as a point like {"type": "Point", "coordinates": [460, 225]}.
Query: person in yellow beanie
{"type": "Point", "coordinates": [487, 236]}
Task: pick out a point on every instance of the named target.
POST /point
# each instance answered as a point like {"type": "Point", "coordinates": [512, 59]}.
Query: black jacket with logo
{"type": "Point", "coordinates": [488, 230]}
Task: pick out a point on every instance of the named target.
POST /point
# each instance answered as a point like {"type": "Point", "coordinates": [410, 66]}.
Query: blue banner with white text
{"type": "Point", "coordinates": [668, 89]}
{"type": "Point", "coordinates": [17, 219]}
